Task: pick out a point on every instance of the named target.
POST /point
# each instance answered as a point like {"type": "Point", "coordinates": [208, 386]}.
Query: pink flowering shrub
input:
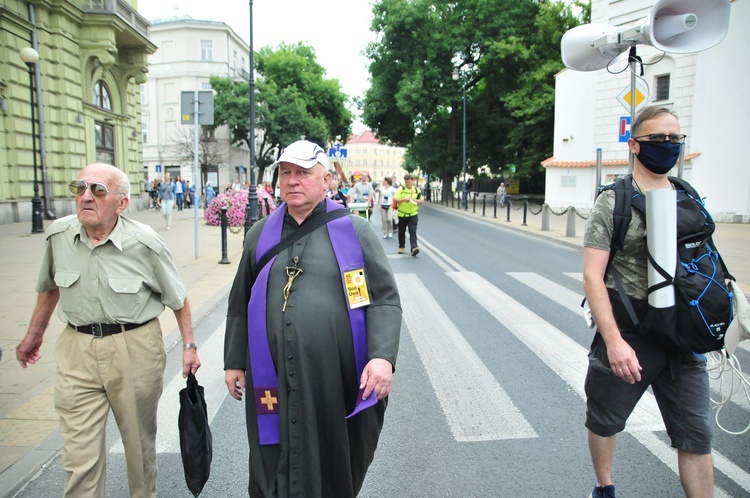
{"type": "Point", "coordinates": [235, 200]}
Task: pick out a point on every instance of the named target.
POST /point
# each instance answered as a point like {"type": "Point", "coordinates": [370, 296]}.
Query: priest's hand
{"type": "Point", "coordinates": [235, 380]}
{"type": "Point", "coordinates": [377, 376]}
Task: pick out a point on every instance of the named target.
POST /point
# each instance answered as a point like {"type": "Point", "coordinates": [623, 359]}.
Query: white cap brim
{"type": "Point", "coordinates": [304, 154]}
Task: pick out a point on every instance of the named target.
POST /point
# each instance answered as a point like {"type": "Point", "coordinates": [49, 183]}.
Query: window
{"type": "Point", "coordinates": [144, 100]}
{"type": "Point", "coordinates": [568, 181]}
{"type": "Point", "coordinates": [662, 87]}
{"type": "Point", "coordinates": [207, 50]}
{"type": "Point", "coordinates": [144, 132]}
{"type": "Point", "coordinates": [208, 134]}
{"type": "Point", "coordinates": [105, 142]}
{"type": "Point", "coordinates": [100, 96]}
{"type": "Point", "coordinates": [205, 85]}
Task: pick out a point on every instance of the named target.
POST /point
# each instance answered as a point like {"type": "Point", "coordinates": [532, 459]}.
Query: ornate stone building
{"type": "Point", "coordinates": [93, 56]}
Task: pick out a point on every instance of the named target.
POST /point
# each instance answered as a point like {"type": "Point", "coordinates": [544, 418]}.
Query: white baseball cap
{"type": "Point", "coordinates": [304, 154]}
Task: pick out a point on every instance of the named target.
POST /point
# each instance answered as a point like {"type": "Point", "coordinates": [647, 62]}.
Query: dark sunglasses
{"type": "Point", "coordinates": [98, 190]}
{"type": "Point", "coordinates": [662, 137]}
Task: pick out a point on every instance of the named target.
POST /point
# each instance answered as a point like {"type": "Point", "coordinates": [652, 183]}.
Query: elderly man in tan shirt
{"type": "Point", "coordinates": [112, 277]}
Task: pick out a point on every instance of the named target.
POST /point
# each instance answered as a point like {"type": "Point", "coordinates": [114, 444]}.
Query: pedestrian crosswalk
{"type": "Point", "coordinates": [557, 350]}
{"type": "Point", "coordinates": [475, 404]}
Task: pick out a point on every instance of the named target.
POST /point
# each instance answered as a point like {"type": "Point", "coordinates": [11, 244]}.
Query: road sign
{"type": "Point", "coordinates": [641, 97]}
{"type": "Point", "coordinates": [337, 152]}
{"type": "Point", "coordinates": [158, 168]}
{"type": "Point", "coordinates": [624, 128]}
{"type": "Point", "coordinates": [205, 107]}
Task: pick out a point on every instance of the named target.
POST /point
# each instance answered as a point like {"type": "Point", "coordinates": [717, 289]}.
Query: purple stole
{"type": "Point", "coordinates": [265, 379]}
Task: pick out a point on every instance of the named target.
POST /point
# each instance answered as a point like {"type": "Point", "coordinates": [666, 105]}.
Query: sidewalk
{"type": "Point", "coordinates": [28, 422]}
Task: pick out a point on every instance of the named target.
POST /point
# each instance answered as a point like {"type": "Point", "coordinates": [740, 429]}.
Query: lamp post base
{"type": "Point", "coordinates": [37, 225]}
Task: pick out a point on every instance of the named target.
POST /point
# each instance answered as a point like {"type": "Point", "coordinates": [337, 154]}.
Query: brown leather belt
{"type": "Point", "coordinates": [105, 329]}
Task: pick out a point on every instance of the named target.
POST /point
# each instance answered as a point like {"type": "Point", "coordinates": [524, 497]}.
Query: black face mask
{"type": "Point", "coordinates": [658, 157]}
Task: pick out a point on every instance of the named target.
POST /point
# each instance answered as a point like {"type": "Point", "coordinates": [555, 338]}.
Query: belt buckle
{"type": "Point", "coordinates": [94, 328]}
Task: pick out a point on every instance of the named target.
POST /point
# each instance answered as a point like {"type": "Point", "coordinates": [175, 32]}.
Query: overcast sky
{"type": "Point", "coordinates": [339, 30]}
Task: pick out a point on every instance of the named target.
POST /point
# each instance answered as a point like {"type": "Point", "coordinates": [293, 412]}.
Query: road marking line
{"type": "Point", "coordinates": [575, 275]}
{"type": "Point", "coordinates": [553, 347]}
{"type": "Point", "coordinates": [552, 290]}
{"type": "Point", "coordinates": [210, 376]}
{"type": "Point", "coordinates": [452, 262]}
{"type": "Point", "coordinates": [475, 405]}
{"type": "Point", "coordinates": [559, 352]}
{"type": "Point", "coordinates": [568, 299]}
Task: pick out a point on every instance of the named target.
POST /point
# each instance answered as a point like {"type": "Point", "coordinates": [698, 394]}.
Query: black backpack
{"type": "Point", "coordinates": [703, 304]}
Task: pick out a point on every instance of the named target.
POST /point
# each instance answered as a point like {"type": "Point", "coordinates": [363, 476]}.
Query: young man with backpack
{"type": "Point", "coordinates": [625, 359]}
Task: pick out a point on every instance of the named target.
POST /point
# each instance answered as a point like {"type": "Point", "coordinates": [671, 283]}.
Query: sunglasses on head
{"type": "Point", "coordinates": [98, 190]}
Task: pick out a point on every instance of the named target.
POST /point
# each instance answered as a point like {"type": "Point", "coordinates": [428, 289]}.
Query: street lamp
{"type": "Point", "coordinates": [30, 57]}
{"type": "Point", "coordinates": [251, 210]}
{"type": "Point", "coordinates": [456, 76]}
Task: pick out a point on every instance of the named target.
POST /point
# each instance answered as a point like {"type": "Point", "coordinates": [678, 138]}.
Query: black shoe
{"type": "Point", "coordinates": [603, 492]}
{"type": "Point", "coordinates": [415, 251]}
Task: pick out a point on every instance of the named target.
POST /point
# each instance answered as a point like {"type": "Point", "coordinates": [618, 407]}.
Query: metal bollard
{"type": "Point", "coordinates": [484, 204]}
{"type": "Point", "coordinates": [494, 201]}
{"type": "Point", "coordinates": [545, 217]}
{"type": "Point", "coordinates": [224, 259]}
{"type": "Point", "coordinates": [525, 208]}
{"type": "Point", "coordinates": [473, 204]}
{"type": "Point", "coordinates": [507, 199]}
{"type": "Point", "coordinates": [571, 228]}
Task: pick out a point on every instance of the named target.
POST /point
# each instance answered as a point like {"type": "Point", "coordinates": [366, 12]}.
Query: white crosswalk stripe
{"type": "Point", "coordinates": [559, 352]}
{"type": "Point", "coordinates": [210, 376]}
{"type": "Point", "coordinates": [458, 376]}
{"type": "Point", "coordinates": [565, 297]}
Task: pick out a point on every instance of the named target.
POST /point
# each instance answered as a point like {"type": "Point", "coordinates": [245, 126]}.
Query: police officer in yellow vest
{"type": "Point", "coordinates": [408, 197]}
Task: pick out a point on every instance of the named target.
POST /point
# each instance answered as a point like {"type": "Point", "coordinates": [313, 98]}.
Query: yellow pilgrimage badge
{"type": "Point", "coordinates": [356, 288]}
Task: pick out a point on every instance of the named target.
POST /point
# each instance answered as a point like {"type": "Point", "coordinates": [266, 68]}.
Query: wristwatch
{"type": "Point", "coordinates": [190, 345]}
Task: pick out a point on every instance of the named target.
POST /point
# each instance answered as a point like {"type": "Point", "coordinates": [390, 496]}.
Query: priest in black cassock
{"type": "Point", "coordinates": [312, 337]}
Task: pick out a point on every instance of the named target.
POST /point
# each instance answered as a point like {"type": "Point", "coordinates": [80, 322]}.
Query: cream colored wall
{"type": "Point", "coordinates": [177, 67]}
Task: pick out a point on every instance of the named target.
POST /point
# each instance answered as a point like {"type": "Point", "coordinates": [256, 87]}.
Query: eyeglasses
{"type": "Point", "coordinates": [98, 190]}
{"type": "Point", "coordinates": [662, 137]}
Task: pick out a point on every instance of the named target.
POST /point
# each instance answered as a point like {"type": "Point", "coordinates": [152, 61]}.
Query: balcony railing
{"type": "Point", "coordinates": [120, 8]}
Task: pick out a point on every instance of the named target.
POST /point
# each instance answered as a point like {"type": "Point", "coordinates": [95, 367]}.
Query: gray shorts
{"type": "Point", "coordinates": [680, 386]}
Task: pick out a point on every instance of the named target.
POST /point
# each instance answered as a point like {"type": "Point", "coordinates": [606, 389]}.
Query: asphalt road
{"type": "Point", "coordinates": [488, 392]}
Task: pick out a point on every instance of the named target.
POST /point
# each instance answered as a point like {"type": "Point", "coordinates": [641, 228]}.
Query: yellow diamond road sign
{"type": "Point", "coordinates": [641, 97]}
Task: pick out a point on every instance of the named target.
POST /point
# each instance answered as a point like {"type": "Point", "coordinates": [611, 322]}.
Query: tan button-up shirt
{"type": "Point", "coordinates": [129, 278]}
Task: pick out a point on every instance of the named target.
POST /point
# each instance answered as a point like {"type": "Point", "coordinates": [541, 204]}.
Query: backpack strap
{"type": "Point", "coordinates": [621, 216]}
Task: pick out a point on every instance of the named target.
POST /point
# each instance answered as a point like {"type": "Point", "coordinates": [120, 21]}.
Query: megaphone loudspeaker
{"type": "Point", "coordinates": [590, 47]}
{"type": "Point", "coordinates": [687, 26]}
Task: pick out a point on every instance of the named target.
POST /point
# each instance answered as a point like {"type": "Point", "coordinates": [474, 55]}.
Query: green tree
{"type": "Point", "coordinates": [293, 99]}
{"type": "Point", "coordinates": [507, 52]}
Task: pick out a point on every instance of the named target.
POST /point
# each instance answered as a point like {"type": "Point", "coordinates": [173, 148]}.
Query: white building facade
{"type": "Point", "coordinates": [704, 89]}
{"type": "Point", "coordinates": [189, 53]}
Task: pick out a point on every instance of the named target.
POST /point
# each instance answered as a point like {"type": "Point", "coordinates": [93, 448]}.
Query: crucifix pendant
{"type": "Point", "coordinates": [291, 273]}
